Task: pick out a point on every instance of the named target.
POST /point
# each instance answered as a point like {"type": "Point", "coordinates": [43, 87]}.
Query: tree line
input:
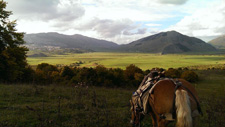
{"type": "Point", "coordinates": [46, 74]}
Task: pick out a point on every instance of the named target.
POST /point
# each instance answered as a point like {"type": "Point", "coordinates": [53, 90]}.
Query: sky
{"type": "Point", "coordinates": [120, 21]}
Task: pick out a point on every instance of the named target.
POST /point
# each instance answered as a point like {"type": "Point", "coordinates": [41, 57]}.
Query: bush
{"type": "Point", "coordinates": [172, 73]}
{"type": "Point", "coordinates": [28, 75]}
{"type": "Point", "coordinates": [44, 73]}
{"type": "Point", "coordinates": [129, 74]}
{"type": "Point", "coordinates": [189, 76]}
{"type": "Point", "coordinates": [131, 70]}
{"type": "Point", "coordinates": [84, 75]}
{"type": "Point", "coordinates": [45, 67]}
{"type": "Point", "coordinates": [67, 73]}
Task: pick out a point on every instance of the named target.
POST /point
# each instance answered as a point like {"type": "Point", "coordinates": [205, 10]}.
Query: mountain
{"type": "Point", "coordinates": [68, 41]}
{"type": "Point", "coordinates": [164, 42]}
{"type": "Point", "coordinates": [218, 42]}
{"type": "Point", "coordinates": [168, 42]}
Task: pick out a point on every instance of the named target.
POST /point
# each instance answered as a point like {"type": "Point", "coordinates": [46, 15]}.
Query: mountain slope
{"type": "Point", "coordinates": [68, 41]}
{"type": "Point", "coordinates": [168, 42]}
{"type": "Point", "coordinates": [218, 42]}
{"type": "Point", "coordinates": [164, 42]}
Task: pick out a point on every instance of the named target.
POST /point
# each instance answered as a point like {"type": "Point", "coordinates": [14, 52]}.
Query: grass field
{"type": "Point", "coordinates": [66, 106]}
{"type": "Point", "coordinates": [121, 60]}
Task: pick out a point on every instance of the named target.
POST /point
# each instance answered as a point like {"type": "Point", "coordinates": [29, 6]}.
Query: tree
{"type": "Point", "coordinates": [67, 72]}
{"type": "Point", "coordinates": [190, 76]}
{"type": "Point", "coordinates": [131, 70]}
{"type": "Point", "coordinates": [45, 73]}
{"type": "Point", "coordinates": [12, 54]}
{"type": "Point", "coordinates": [133, 75]}
{"type": "Point", "coordinates": [172, 73]}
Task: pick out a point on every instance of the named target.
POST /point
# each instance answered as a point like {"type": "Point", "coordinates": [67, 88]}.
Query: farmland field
{"type": "Point", "coordinates": [121, 60]}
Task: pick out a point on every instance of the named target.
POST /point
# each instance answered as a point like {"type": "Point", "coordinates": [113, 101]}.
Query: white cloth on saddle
{"type": "Point", "coordinates": [143, 88]}
{"type": "Point", "coordinates": [145, 98]}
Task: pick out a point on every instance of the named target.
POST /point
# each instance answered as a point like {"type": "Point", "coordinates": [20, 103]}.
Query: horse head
{"type": "Point", "coordinates": [136, 115]}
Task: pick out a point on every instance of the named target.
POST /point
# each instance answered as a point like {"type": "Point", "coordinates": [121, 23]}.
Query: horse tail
{"type": "Point", "coordinates": [183, 109]}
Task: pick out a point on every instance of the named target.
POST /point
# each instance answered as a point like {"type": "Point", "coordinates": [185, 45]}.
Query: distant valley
{"type": "Point", "coordinates": [170, 42]}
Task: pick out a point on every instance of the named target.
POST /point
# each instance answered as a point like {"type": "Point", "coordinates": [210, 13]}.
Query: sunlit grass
{"type": "Point", "coordinates": [121, 60]}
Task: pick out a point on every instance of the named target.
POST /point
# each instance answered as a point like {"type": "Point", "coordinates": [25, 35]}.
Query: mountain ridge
{"type": "Point", "coordinates": [163, 42]}
{"type": "Point", "coordinates": [68, 41]}
{"type": "Point", "coordinates": [168, 42]}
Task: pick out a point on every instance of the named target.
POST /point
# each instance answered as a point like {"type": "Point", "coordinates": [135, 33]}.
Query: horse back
{"type": "Point", "coordinates": [164, 92]}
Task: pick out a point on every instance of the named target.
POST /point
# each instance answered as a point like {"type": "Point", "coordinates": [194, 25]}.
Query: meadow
{"type": "Point", "coordinates": [121, 60]}
{"type": "Point", "coordinates": [32, 105]}
{"type": "Point", "coordinates": [67, 106]}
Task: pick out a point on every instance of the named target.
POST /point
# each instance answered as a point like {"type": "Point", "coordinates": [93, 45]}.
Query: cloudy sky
{"type": "Point", "coordinates": [120, 21]}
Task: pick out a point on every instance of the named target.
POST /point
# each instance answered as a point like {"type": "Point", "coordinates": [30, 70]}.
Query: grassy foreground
{"type": "Point", "coordinates": [31, 105]}
{"type": "Point", "coordinates": [121, 60]}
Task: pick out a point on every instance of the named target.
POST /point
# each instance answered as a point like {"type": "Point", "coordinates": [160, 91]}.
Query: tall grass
{"type": "Point", "coordinates": [52, 106]}
{"type": "Point", "coordinates": [25, 105]}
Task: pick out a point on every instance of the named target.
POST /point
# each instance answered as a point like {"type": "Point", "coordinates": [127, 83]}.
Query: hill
{"type": "Point", "coordinates": [218, 42]}
{"type": "Point", "coordinates": [168, 42]}
{"type": "Point", "coordinates": [164, 43]}
{"type": "Point", "coordinates": [56, 40]}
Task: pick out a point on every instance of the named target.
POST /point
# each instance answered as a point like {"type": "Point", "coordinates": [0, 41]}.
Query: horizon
{"type": "Point", "coordinates": [119, 21]}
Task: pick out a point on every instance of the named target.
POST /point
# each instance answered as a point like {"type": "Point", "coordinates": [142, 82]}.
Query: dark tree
{"type": "Point", "coordinates": [12, 54]}
{"type": "Point", "coordinates": [173, 73]}
{"type": "Point", "coordinates": [46, 73]}
{"type": "Point", "coordinates": [67, 72]}
{"type": "Point", "coordinates": [133, 75]}
{"type": "Point", "coordinates": [190, 76]}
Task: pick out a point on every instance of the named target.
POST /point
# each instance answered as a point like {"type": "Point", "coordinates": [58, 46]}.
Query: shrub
{"type": "Point", "coordinates": [172, 73]}
{"type": "Point", "coordinates": [44, 73]}
{"type": "Point", "coordinates": [190, 76]}
{"type": "Point", "coordinates": [67, 73]}
{"type": "Point", "coordinates": [131, 70]}
{"type": "Point", "coordinates": [129, 74]}
{"type": "Point", "coordinates": [118, 77]}
{"type": "Point", "coordinates": [28, 75]}
{"type": "Point", "coordinates": [84, 75]}
{"type": "Point", "coordinates": [138, 77]}
{"type": "Point", "coordinates": [45, 67]}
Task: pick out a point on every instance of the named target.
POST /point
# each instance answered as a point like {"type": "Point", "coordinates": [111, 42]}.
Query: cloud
{"type": "Point", "coordinates": [46, 10]}
{"type": "Point", "coordinates": [141, 10]}
{"type": "Point", "coordinates": [125, 39]}
{"type": "Point", "coordinates": [175, 2]}
{"type": "Point", "coordinates": [118, 20]}
{"type": "Point", "coordinates": [138, 31]}
{"type": "Point", "coordinates": [153, 24]}
{"type": "Point", "coordinates": [111, 28]}
{"type": "Point", "coordinates": [205, 22]}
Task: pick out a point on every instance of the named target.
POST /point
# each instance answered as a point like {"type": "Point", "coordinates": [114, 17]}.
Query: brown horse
{"type": "Point", "coordinates": [169, 102]}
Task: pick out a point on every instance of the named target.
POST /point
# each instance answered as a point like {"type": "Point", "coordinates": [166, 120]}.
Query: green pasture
{"type": "Point", "coordinates": [67, 106]}
{"type": "Point", "coordinates": [121, 60]}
